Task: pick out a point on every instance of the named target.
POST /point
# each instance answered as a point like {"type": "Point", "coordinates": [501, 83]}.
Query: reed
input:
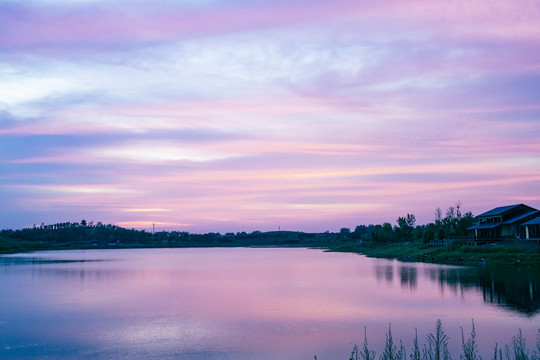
{"type": "Point", "coordinates": [469, 346]}
{"type": "Point", "coordinates": [436, 347]}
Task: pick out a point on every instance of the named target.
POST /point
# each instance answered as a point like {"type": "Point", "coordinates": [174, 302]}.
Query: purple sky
{"type": "Point", "coordinates": [212, 115]}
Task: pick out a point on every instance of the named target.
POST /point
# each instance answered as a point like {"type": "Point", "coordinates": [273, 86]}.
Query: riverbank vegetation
{"type": "Point", "coordinates": [507, 253]}
{"type": "Point", "coordinates": [436, 348]}
{"type": "Point", "coordinates": [83, 235]}
{"type": "Point", "coordinates": [405, 240]}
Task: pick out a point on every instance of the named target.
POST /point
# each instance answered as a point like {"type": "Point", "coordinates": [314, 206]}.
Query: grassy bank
{"type": "Point", "coordinates": [11, 246]}
{"type": "Point", "coordinates": [502, 253]}
{"type": "Point", "coordinates": [130, 241]}
{"type": "Point", "coordinates": [511, 252]}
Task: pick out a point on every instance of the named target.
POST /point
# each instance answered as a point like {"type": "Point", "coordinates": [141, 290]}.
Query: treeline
{"type": "Point", "coordinates": [79, 232]}
{"type": "Point", "coordinates": [452, 223]}
{"type": "Point", "coordinates": [90, 234]}
{"type": "Point", "coordinates": [87, 233]}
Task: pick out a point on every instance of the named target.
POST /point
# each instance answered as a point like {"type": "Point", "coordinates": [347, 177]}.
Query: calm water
{"type": "Point", "coordinates": [238, 303]}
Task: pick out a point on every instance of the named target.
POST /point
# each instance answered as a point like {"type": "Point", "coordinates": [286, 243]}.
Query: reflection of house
{"type": "Point", "coordinates": [504, 222]}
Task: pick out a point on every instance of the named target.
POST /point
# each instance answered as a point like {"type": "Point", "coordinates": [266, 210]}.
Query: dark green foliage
{"type": "Point", "coordinates": [85, 234]}
{"type": "Point", "coordinates": [429, 235]}
{"type": "Point", "coordinates": [362, 229]}
{"type": "Point", "coordinates": [441, 235]}
{"type": "Point", "coordinates": [454, 223]}
{"type": "Point", "coordinates": [406, 227]}
{"type": "Point", "coordinates": [68, 234]}
{"type": "Point", "coordinates": [383, 233]}
{"type": "Point", "coordinates": [466, 221]}
{"type": "Point", "coordinates": [76, 236]}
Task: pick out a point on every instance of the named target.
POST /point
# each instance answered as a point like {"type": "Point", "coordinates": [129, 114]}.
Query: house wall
{"type": "Point", "coordinates": [488, 233]}
{"type": "Point", "coordinates": [532, 231]}
{"type": "Point", "coordinates": [507, 230]}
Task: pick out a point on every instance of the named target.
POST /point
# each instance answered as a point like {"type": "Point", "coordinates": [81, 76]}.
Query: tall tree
{"type": "Point", "coordinates": [406, 225]}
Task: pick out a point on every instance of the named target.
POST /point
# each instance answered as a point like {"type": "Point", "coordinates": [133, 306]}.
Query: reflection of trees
{"type": "Point", "coordinates": [385, 272]}
{"type": "Point", "coordinates": [409, 276]}
{"type": "Point", "coordinates": [454, 279]}
{"type": "Point", "coordinates": [513, 287]}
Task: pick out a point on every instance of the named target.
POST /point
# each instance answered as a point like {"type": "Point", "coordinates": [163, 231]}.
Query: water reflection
{"type": "Point", "coordinates": [21, 260]}
{"type": "Point", "coordinates": [449, 278]}
{"type": "Point", "coordinates": [244, 303]}
{"type": "Point", "coordinates": [384, 272]}
{"type": "Point", "coordinates": [514, 288]}
{"type": "Point", "coordinates": [409, 277]}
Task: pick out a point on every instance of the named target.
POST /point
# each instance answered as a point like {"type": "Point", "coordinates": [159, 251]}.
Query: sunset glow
{"type": "Point", "coordinates": [218, 116]}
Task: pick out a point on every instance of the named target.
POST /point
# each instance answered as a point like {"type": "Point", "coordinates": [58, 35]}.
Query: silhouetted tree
{"type": "Point", "coordinates": [383, 233]}
{"type": "Point", "coordinates": [429, 235]}
{"type": "Point", "coordinates": [406, 226]}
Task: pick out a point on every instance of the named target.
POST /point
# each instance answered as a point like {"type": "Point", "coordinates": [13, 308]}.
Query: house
{"type": "Point", "coordinates": [504, 222]}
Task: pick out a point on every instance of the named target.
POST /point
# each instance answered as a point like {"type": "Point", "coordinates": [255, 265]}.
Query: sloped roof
{"type": "Point", "coordinates": [535, 221]}
{"type": "Point", "coordinates": [486, 226]}
{"type": "Point", "coordinates": [521, 217]}
{"type": "Point", "coordinates": [500, 210]}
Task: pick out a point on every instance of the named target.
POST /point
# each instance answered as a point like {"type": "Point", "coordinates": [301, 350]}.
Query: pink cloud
{"type": "Point", "coordinates": [37, 26]}
{"type": "Point", "coordinates": [386, 108]}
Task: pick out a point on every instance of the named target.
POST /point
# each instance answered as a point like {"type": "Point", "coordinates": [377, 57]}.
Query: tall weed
{"type": "Point", "coordinates": [391, 351]}
{"type": "Point", "coordinates": [469, 346]}
{"type": "Point", "coordinates": [519, 347]}
{"type": "Point", "coordinates": [436, 347]}
{"type": "Point", "coordinates": [365, 354]}
{"type": "Point", "coordinates": [416, 348]}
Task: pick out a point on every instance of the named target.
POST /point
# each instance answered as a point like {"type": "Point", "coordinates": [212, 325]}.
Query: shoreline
{"type": "Point", "coordinates": [512, 253]}
{"type": "Point", "coordinates": [509, 253]}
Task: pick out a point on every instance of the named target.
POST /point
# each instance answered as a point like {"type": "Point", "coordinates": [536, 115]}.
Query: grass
{"type": "Point", "coordinates": [9, 245]}
{"type": "Point", "coordinates": [502, 253]}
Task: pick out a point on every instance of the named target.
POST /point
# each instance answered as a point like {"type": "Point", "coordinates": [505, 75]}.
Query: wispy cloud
{"type": "Point", "coordinates": [240, 115]}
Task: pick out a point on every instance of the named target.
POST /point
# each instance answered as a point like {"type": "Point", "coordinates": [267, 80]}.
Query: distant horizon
{"type": "Point", "coordinates": [157, 227]}
{"type": "Point", "coordinates": [207, 116]}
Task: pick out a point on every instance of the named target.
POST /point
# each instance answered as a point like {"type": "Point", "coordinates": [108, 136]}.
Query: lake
{"type": "Point", "coordinates": [249, 303]}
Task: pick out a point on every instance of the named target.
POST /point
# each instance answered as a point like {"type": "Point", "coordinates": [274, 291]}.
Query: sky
{"type": "Point", "coordinates": [220, 116]}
